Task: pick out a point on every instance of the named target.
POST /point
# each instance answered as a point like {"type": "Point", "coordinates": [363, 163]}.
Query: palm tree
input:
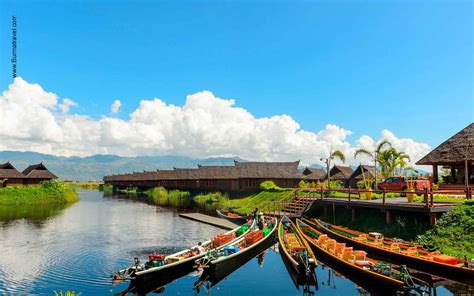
{"type": "Point", "coordinates": [374, 155]}
{"type": "Point", "coordinates": [332, 155]}
{"type": "Point", "coordinates": [391, 159]}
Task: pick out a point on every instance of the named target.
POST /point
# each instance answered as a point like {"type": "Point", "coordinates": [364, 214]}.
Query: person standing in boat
{"type": "Point", "coordinates": [255, 214]}
{"type": "Point", "coordinates": [261, 221]}
{"type": "Point", "coordinates": [200, 248]}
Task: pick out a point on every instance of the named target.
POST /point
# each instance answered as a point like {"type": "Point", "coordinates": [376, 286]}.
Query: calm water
{"type": "Point", "coordinates": [78, 247]}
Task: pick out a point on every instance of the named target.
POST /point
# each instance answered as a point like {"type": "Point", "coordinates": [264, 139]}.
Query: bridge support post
{"type": "Point", "coordinates": [334, 213]}
{"type": "Point", "coordinates": [325, 214]}
{"type": "Point", "coordinates": [432, 219]}
{"type": "Point", "coordinates": [388, 216]}
{"type": "Point", "coordinates": [353, 214]}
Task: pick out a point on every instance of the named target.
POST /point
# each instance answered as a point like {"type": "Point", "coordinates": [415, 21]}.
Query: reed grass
{"type": "Point", "coordinates": [48, 192]}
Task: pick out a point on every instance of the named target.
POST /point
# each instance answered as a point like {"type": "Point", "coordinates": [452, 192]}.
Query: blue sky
{"type": "Point", "coordinates": [406, 66]}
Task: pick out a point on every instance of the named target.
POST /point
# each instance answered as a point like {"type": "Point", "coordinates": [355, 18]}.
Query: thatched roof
{"type": "Point", "coordinates": [369, 172]}
{"type": "Point", "coordinates": [340, 172]}
{"type": "Point", "coordinates": [453, 150]}
{"type": "Point", "coordinates": [240, 170]}
{"type": "Point", "coordinates": [38, 171]}
{"type": "Point", "coordinates": [7, 170]}
{"type": "Point", "coordinates": [314, 174]}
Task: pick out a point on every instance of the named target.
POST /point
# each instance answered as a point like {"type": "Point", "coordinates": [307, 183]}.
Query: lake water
{"type": "Point", "coordinates": [78, 247]}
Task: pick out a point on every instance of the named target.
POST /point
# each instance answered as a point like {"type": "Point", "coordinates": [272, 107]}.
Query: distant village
{"type": "Point", "coordinates": [32, 175]}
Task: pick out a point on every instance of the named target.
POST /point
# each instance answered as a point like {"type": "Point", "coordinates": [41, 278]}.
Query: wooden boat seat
{"type": "Point", "coordinates": [322, 239]}
{"type": "Point", "coordinates": [298, 248]}
{"type": "Point", "coordinates": [359, 255]}
{"type": "Point", "coordinates": [348, 254]}
{"type": "Point", "coordinates": [172, 259]}
{"type": "Point", "coordinates": [331, 245]}
{"type": "Point", "coordinates": [339, 248]}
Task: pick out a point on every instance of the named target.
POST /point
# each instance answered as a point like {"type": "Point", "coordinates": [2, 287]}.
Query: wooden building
{"type": "Point", "coordinates": [362, 171]}
{"type": "Point", "coordinates": [10, 176]}
{"type": "Point", "coordinates": [457, 154]}
{"type": "Point", "coordinates": [313, 174]}
{"type": "Point", "coordinates": [340, 173]}
{"type": "Point", "coordinates": [37, 173]}
{"type": "Point", "coordinates": [242, 176]}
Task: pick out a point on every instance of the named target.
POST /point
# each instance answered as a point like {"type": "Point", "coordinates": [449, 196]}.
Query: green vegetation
{"type": "Point", "coordinates": [48, 192]}
{"type": "Point", "coordinates": [84, 185]}
{"type": "Point", "coordinates": [163, 197]}
{"type": "Point", "coordinates": [453, 234]}
{"type": "Point", "coordinates": [106, 188]}
{"type": "Point", "coordinates": [270, 186]}
{"type": "Point", "coordinates": [264, 200]}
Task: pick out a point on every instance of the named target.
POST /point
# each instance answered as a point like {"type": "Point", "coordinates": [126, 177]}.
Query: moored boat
{"type": "Point", "coordinates": [233, 217]}
{"type": "Point", "coordinates": [376, 277]}
{"type": "Point", "coordinates": [296, 254]}
{"type": "Point", "coordinates": [221, 263]}
{"type": "Point", "coordinates": [160, 270]}
{"type": "Point", "coordinates": [400, 252]}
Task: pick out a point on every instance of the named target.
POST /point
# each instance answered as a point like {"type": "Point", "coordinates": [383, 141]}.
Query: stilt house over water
{"type": "Point", "coordinates": [456, 154]}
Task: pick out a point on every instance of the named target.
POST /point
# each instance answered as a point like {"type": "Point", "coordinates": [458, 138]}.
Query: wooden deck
{"type": "Point", "coordinates": [396, 204]}
{"type": "Point", "coordinates": [214, 221]}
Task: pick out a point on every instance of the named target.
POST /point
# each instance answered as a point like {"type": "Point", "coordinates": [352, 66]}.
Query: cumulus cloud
{"type": "Point", "coordinates": [115, 108]}
{"type": "Point", "coordinates": [205, 126]}
{"type": "Point", "coordinates": [66, 105]}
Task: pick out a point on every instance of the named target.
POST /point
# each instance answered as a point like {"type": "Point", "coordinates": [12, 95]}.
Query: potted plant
{"type": "Point", "coordinates": [367, 183]}
{"type": "Point", "coordinates": [410, 189]}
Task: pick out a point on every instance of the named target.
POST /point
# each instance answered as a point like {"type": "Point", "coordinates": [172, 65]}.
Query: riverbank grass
{"type": "Point", "coordinates": [48, 192]}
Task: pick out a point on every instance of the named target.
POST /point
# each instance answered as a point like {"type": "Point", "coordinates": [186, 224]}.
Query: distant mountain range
{"type": "Point", "coordinates": [96, 166]}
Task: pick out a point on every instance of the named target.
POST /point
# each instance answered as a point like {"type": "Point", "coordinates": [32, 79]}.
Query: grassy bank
{"type": "Point", "coordinates": [264, 200]}
{"type": "Point", "coordinates": [453, 234]}
{"type": "Point", "coordinates": [48, 192]}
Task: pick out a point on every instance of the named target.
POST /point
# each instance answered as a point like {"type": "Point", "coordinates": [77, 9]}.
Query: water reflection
{"type": "Point", "coordinates": [35, 214]}
{"type": "Point", "coordinates": [78, 247]}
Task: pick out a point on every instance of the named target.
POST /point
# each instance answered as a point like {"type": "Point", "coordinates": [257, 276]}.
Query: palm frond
{"type": "Point", "coordinates": [338, 154]}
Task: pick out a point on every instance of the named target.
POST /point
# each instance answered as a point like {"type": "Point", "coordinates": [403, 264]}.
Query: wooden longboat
{"type": "Point", "coordinates": [146, 278]}
{"type": "Point", "coordinates": [218, 268]}
{"type": "Point", "coordinates": [371, 281]}
{"type": "Point", "coordinates": [423, 262]}
{"type": "Point", "coordinates": [300, 260]}
{"type": "Point", "coordinates": [235, 218]}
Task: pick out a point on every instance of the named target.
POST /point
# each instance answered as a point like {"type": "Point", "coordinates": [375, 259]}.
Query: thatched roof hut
{"type": "Point", "coordinates": [11, 174]}
{"type": "Point", "coordinates": [456, 152]}
{"type": "Point", "coordinates": [362, 171]}
{"type": "Point", "coordinates": [314, 174]}
{"type": "Point", "coordinates": [339, 172]}
{"type": "Point", "coordinates": [36, 173]}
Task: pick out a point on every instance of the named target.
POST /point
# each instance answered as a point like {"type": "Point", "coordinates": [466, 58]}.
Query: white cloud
{"type": "Point", "coordinates": [66, 105]}
{"type": "Point", "coordinates": [115, 108]}
{"type": "Point", "coordinates": [205, 126]}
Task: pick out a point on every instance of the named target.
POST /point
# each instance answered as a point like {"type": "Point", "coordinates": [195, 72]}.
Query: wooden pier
{"type": "Point", "coordinates": [214, 221]}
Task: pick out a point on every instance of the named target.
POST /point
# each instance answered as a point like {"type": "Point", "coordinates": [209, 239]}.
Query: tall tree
{"type": "Point", "coordinates": [332, 155]}
{"type": "Point", "coordinates": [374, 155]}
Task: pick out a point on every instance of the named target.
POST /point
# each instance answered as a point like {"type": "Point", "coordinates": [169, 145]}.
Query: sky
{"type": "Point", "coordinates": [263, 80]}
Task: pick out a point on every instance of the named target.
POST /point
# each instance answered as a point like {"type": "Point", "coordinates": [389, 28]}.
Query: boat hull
{"type": "Point", "coordinates": [148, 282]}
{"type": "Point", "coordinates": [222, 269]}
{"type": "Point", "coordinates": [454, 273]}
{"type": "Point", "coordinates": [374, 283]}
{"type": "Point", "coordinates": [236, 220]}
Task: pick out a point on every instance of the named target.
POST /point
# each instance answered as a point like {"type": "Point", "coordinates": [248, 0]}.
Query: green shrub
{"type": "Point", "coordinates": [453, 234]}
{"type": "Point", "coordinates": [270, 186]}
{"type": "Point", "coordinates": [48, 192]}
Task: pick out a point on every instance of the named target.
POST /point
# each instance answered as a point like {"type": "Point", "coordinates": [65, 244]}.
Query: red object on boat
{"type": "Point", "coordinates": [445, 259]}
{"type": "Point", "coordinates": [232, 215]}
{"type": "Point", "coordinates": [156, 257]}
{"type": "Point", "coordinates": [222, 238]}
{"type": "Point", "coordinates": [253, 237]}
